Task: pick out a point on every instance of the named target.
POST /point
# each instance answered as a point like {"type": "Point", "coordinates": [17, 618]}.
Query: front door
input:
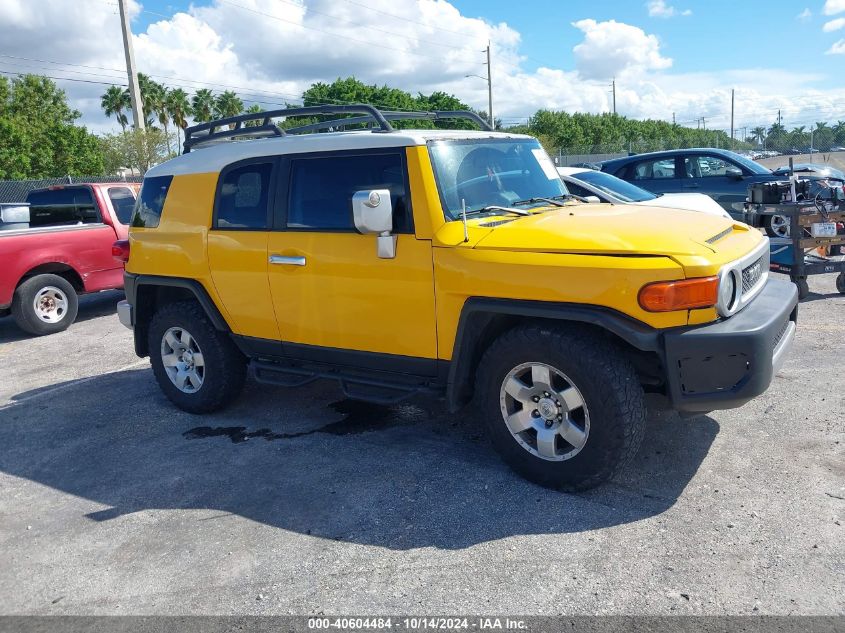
{"type": "Point", "coordinates": [716, 177]}
{"type": "Point", "coordinates": [333, 296]}
{"type": "Point", "coordinates": [656, 175]}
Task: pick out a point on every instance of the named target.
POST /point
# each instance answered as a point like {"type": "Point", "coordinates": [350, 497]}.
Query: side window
{"type": "Point", "coordinates": [123, 202]}
{"type": "Point", "coordinates": [243, 198]}
{"type": "Point", "coordinates": [150, 202]}
{"type": "Point", "coordinates": [321, 190]}
{"type": "Point", "coordinates": [706, 166]}
{"type": "Point", "coordinates": [655, 169]}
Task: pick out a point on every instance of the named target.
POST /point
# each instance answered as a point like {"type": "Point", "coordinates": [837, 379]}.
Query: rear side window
{"type": "Point", "coordinates": [150, 201]}
{"type": "Point", "coordinates": [655, 169]}
{"type": "Point", "coordinates": [243, 199]}
{"type": "Point", "coordinates": [123, 202]}
{"type": "Point", "coordinates": [65, 206]}
{"type": "Point", "coordinates": [321, 190]}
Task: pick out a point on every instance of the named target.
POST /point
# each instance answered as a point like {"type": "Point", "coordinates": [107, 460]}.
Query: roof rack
{"type": "Point", "coordinates": [235, 125]}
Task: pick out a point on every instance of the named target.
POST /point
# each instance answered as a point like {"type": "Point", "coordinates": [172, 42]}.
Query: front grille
{"type": "Point", "coordinates": [780, 334]}
{"type": "Point", "coordinates": [751, 274]}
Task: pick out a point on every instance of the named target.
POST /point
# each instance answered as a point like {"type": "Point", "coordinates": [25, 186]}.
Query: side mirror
{"type": "Point", "coordinates": [372, 212]}
{"type": "Point", "coordinates": [733, 172]}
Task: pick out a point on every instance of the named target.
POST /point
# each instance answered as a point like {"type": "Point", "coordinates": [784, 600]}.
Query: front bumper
{"type": "Point", "coordinates": [726, 364]}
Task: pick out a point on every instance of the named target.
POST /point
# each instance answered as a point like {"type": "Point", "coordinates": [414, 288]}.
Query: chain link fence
{"type": "Point", "coordinates": [17, 190]}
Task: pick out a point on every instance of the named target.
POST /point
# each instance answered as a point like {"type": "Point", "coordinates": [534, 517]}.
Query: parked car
{"type": "Point", "coordinates": [677, 171]}
{"type": "Point", "coordinates": [451, 262]}
{"type": "Point", "coordinates": [58, 245]}
{"type": "Point", "coordinates": [607, 188]}
{"type": "Point", "coordinates": [815, 169]}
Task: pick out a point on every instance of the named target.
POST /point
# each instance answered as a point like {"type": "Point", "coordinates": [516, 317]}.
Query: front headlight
{"type": "Point", "coordinates": [727, 293]}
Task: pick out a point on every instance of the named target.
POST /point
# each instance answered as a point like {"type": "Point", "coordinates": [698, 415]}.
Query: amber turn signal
{"type": "Point", "coordinates": [685, 294]}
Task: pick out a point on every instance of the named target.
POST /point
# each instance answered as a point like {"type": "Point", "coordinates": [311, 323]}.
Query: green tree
{"type": "Point", "coordinates": [114, 101]}
{"type": "Point", "coordinates": [202, 105]}
{"type": "Point", "coordinates": [134, 149]}
{"type": "Point", "coordinates": [227, 104]}
{"type": "Point", "coordinates": [39, 132]}
{"type": "Point", "coordinates": [253, 109]}
{"type": "Point", "coordinates": [758, 134]}
{"type": "Point", "coordinates": [179, 107]}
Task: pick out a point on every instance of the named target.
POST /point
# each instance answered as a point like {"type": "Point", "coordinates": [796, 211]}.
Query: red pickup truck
{"type": "Point", "coordinates": [57, 246]}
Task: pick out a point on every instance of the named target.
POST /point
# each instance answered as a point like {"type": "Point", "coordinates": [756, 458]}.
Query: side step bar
{"type": "Point", "coordinates": [372, 387]}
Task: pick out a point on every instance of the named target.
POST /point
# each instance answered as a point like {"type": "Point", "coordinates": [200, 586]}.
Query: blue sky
{"type": "Point", "coordinates": [669, 57]}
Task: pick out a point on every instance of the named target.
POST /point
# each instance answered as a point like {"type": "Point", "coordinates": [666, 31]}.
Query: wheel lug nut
{"type": "Point", "coordinates": [536, 398]}
{"type": "Point", "coordinates": [535, 413]}
{"type": "Point", "coordinates": [560, 418]}
{"type": "Point", "coordinates": [546, 393]}
{"type": "Point", "coordinates": [557, 402]}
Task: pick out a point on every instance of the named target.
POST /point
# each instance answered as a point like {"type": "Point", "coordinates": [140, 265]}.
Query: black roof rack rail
{"type": "Point", "coordinates": [235, 125]}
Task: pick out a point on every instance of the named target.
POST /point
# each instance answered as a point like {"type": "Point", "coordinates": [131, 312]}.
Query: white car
{"type": "Point", "coordinates": [607, 188]}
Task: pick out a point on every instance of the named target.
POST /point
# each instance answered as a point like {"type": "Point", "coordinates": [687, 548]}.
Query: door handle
{"type": "Point", "coordinates": [289, 261]}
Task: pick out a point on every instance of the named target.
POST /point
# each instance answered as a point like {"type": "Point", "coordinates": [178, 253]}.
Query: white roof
{"type": "Point", "coordinates": [214, 157]}
{"type": "Point", "coordinates": [571, 171]}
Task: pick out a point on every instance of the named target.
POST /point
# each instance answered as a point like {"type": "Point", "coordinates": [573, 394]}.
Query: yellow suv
{"type": "Point", "coordinates": [453, 262]}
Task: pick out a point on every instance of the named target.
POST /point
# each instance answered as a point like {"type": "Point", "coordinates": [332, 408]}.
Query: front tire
{"type": "Point", "coordinates": [45, 304]}
{"type": "Point", "coordinates": [197, 367]}
{"type": "Point", "coordinates": [563, 408]}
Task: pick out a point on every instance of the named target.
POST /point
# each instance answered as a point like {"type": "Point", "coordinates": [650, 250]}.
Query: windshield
{"type": "Point", "coordinates": [613, 186]}
{"type": "Point", "coordinates": [750, 165]}
{"type": "Point", "coordinates": [492, 172]}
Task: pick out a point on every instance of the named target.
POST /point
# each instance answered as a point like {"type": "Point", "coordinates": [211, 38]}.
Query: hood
{"type": "Point", "coordinates": [687, 202]}
{"type": "Point", "coordinates": [621, 229]}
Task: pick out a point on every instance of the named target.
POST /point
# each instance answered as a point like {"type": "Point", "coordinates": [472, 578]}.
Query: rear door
{"type": "Point", "coordinates": [658, 175]}
{"type": "Point", "coordinates": [237, 245]}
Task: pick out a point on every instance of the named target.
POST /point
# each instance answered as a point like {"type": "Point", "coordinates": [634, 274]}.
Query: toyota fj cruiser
{"type": "Point", "coordinates": [444, 261]}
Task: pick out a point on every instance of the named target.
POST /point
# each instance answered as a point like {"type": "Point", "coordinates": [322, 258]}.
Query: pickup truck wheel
{"type": "Point", "coordinates": [198, 367]}
{"type": "Point", "coordinates": [45, 304]}
{"type": "Point", "coordinates": [563, 409]}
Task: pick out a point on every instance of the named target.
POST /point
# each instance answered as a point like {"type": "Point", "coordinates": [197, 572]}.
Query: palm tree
{"type": "Point", "coordinates": [151, 96]}
{"type": "Point", "coordinates": [202, 105]}
{"type": "Point", "coordinates": [114, 101]}
{"type": "Point", "coordinates": [178, 107]}
{"type": "Point", "coordinates": [253, 109]}
{"type": "Point", "coordinates": [758, 134]}
{"type": "Point", "coordinates": [227, 104]}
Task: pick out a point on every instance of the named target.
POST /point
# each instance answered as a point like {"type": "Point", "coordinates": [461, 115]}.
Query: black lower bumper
{"type": "Point", "coordinates": [726, 364]}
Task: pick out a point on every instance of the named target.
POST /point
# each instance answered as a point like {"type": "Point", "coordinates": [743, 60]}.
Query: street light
{"type": "Point", "coordinates": [489, 89]}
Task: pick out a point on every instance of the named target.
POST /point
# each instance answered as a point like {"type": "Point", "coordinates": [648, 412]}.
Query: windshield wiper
{"type": "Point", "coordinates": [553, 201]}
{"type": "Point", "coordinates": [494, 207]}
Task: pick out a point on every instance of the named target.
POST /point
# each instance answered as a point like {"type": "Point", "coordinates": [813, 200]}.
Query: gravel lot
{"type": "Point", "coordinates": [114, 502]}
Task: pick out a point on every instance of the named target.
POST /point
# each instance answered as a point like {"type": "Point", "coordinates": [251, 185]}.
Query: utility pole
{"type": "Point", "coordinates": [490, 89]}
{"type": "Point", "coordinates": [673, 118]}
{"type": "Point", "coordinates": [779, 116]}
{"type": "Point", "coordinates": [732, 118]}
{"type": "Point", "coordinates": [134, 89]}
{"type": "Point", "coordinates": [613, 85]}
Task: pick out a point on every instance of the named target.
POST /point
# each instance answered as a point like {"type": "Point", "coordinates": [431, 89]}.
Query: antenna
{"type": "Point", "coordinates": [464, 218]}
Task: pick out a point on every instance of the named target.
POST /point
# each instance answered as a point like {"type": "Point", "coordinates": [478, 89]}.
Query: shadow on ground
{"type": "Point", "coordinates": [308, 461]}
{"type": "Point", "coordinates": [90, 307]}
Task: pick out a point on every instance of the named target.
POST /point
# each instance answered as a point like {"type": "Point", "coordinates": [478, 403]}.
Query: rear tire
{"type": "Point", "coordinates": [588, 427]}
{"type": "Point", "coordinates": [197, 366]}
{"type": "Point", "coordinates": [45, 304]}
{"type": "Point", "coordinates": [840, 283]}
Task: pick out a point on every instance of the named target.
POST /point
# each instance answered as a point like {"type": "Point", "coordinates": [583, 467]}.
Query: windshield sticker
{"type": "Point", "coordinates": [546, 163]}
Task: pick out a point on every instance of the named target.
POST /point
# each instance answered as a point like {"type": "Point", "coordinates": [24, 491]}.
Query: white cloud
{"type": "Point", "coordinates": [833, 25]}
{"type": "Point", "coordinates": [274, 49]}
{"type": "Point", "coordinates": [611, 48]}
{"type": "Point", "coordinates": [805, 15]}
{"type": "Point", "coordinates": [837, 49]}
{"type": "Point", "coordinates": [832, 7]}
{"type": "Point", "coordinates": [659, 9]}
